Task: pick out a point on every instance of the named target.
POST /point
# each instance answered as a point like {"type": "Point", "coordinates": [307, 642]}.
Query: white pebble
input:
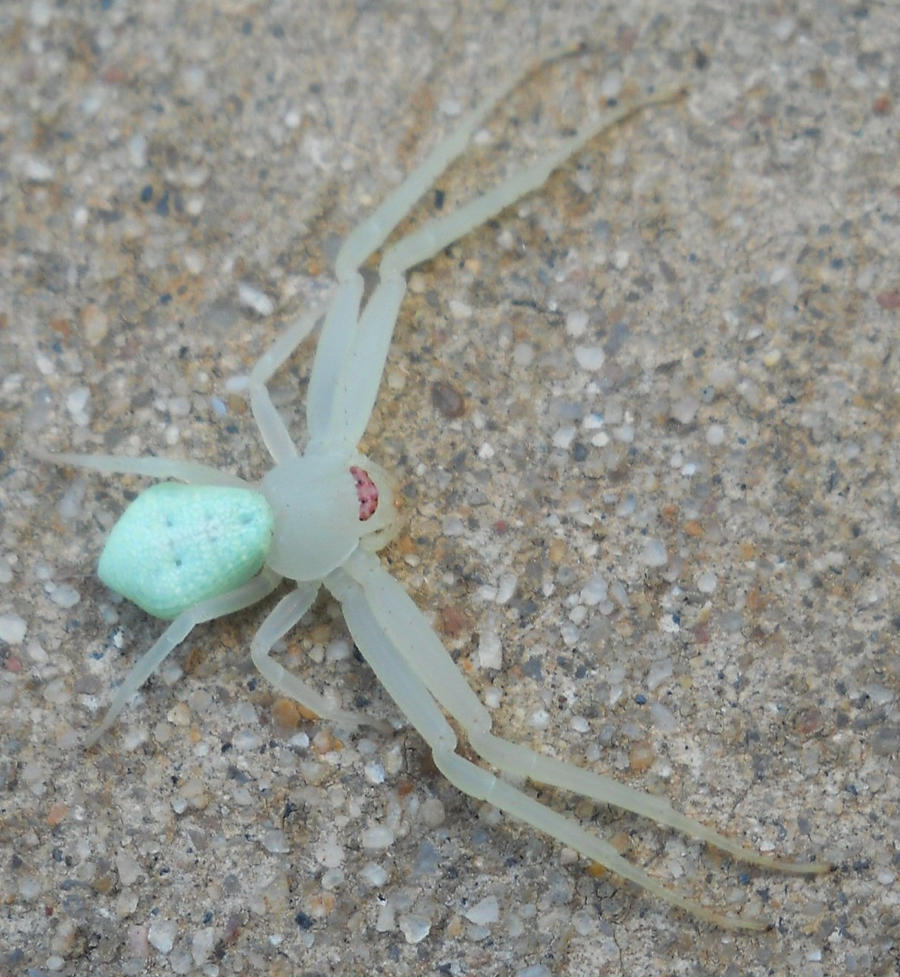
{"type": "Point", "coordinates": [65, 595]}
{"type": "Point", "coordinates": [594, 590]}
{"type": "Point", "coordinates": [338, 650]}
{"type": "Point", "coordinates": [202, 943]}
{"type": "Point", "coordinates": [77, 400]}
{"type": "Point", "coordinates": [663, 717]}
{"type": "Point", "coordinates": [540, 719]}
{"type": "Point", "coordinates": [453, 526]}
{"type": "Point", "coordinates": [490, 649]}
{"type": "Point", "coordinates": [374, 773]}
{"type": "Point", "coordinates": [374, 874]}
{"type": "Point", "coordinates": [715, 435]}
{"type": "Point", "coordinates": [506, 588]}
{"type": "Point", "coordinates": [137, 150]}
{"type": "Point", "coordinates": [589, 357]}
{"type": "Point", "coordinates": [255, 299]}
{"type": "Point", "coordinates": [654, 554]}
{"type": "Point", "coordinates": [576, 323]}
{"type": "Point", "coordinates": [684, 409]}
{"type": "Point", "coordinates": [484, 912]}
{"type": "Point", "coordinates": [523, 354]}
{"type": "Point", "coordinates": [414, 928]}
{"type": "Point", "coordinates": [161, 935]}
{"type": "Point", "coordinates": [274, 840]}
{"type": "Point", "coordinates": [432, 812]}
{"type": "Point", "coordinates": [563, 437]}
{"type": "Point", "coordinates": [658, 673]}
{"type": "Point", "coordinates": [707, 582]}
{"type": "Point", "coordinates": [38, 171]}
{"type": "Point", "coordinates": [611, 84]}
{"type": "Point", "coordinates": [377, 836]}
{"type": "Point", "coordinates": [12, 629]}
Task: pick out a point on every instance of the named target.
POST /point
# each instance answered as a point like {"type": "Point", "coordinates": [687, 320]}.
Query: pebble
{"type": "Point", "coordinates": [64, 595]}
{"type": "Point", "coordinates": [594, 591]}
{"type": "Point", "coordinates": [432, 812]}
{"type": "Point", "coordinates": [576, 323]}
{"type": "Point", "coordinates": [12, 629]}
{"type": "Point", "coordinates": [590, 357]}
{"type": "Point", "coordinates": [715, 435]}
{"type": "Point", "coordinates": [707, 582]}
{"type": "Point", "coordinates": [254, 299]}
{"type": "Point", "coordinates": [490, 649]}
{"type": "Point", "coordinates": [658, 673]}
{"type": "Point", "coordinates": [414, 927]}
{"type": "Point", "coordinates": [128, 867]}
{"type": "Point", "coordinates": [484, 912]}
{"type": "Point", "coordinates": [161, 935]}
{"type": "Point", "coordinates": [377, 836]}
{"type": "Point", "coordinates": [275, 841]}
{"type": "Point", "coordinates": [654, 554]}
{"type": "Point", "coordinates": [374, 874]}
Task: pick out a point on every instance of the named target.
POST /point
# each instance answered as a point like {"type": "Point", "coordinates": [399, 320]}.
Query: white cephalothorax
{"type": "Point", "coordinates": [215, 544]}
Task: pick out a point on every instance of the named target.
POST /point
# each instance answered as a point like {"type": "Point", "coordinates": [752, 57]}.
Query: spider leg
{"type": "Point", "coordinates": [404, 624]}
{"type": "Point", "coordinates": [271, 425]}
{"type": "Point", "coordinates": [390, 662]}
{"type": "Point", "coordinates": [356, 377]}
{"type": "Point", "coordinates": [286, 613]}
{"type": "Point", "coordinates": [249, 593]}
{"type": "Point", "coordinates": [368, 236]}
{"type": "Point", "coordinates": [191, 472]}
{"type": "Point", "coordinates": [337, 409]}
{"type": "Point", "coordinates": [439, 233]}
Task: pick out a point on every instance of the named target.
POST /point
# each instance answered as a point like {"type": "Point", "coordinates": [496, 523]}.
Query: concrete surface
{"type": "Point", "coordinates": [678, 565]}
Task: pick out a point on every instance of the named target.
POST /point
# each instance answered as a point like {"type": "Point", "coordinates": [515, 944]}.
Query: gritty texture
{"type": "Point", "coordinates": [644, 426]}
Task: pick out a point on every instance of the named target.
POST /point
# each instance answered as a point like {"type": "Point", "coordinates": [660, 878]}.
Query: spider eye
{"type": "Point", "coordinates": [366, 492]}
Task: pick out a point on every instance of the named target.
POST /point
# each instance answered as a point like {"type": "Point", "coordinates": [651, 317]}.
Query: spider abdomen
{"type": "Point", "coordinates": [177, 545]}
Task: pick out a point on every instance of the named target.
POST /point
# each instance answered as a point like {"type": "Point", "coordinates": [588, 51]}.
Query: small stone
{"type": "Point", "coordinates": [654, 554]}
{"type": "Point", "coordinates": [447, 399]}
{"type": "Point", "coordinates": [484, 912]}
{"type": "Point", "coordinates": [576, 323]}
{"type": "Point", "coordinates": [715, 435]}
{"type": "Point", "coordinates": [706, 582]}
{"type": "Point", "coordinates": [414, 928]}
{"type": "Point", "coordinates": [161, 935]}
{"type": "Point", "coordinates": [590, 357]}
{"type": "Point", "coordinates": [432, 812]}
{"type": "Point", "coordinates": [255, 299]}
{"type": "Point", "coordinates": [684, 410]}
{"type": "Point", "coordinates": [128, 867]}
{"type": "Point", "coordinates": [95, 324]}
{"type": "Point", "coordinates": [490, 649]}
{"type": "Point", "coordinates": [377, 837]}
{"type": "Point", "coordinates": [374, 874]}
{"type": "Point", "coordinates": [12, 629]}
{"type": "Point", "coordinates": [594, 591]}
{"type": "Point", "coordinates": [275, 841]}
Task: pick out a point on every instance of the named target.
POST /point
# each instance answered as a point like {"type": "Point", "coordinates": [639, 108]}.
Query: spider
{"type": "Point", "coordinates": [210, 544]}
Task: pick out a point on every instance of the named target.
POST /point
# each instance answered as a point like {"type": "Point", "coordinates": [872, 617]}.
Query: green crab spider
{"type": "Point", "coordinates": [210, 544]}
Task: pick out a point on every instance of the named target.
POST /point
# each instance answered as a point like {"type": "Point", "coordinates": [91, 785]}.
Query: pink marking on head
{"type": "Point", "coordinates": [366, 492]}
